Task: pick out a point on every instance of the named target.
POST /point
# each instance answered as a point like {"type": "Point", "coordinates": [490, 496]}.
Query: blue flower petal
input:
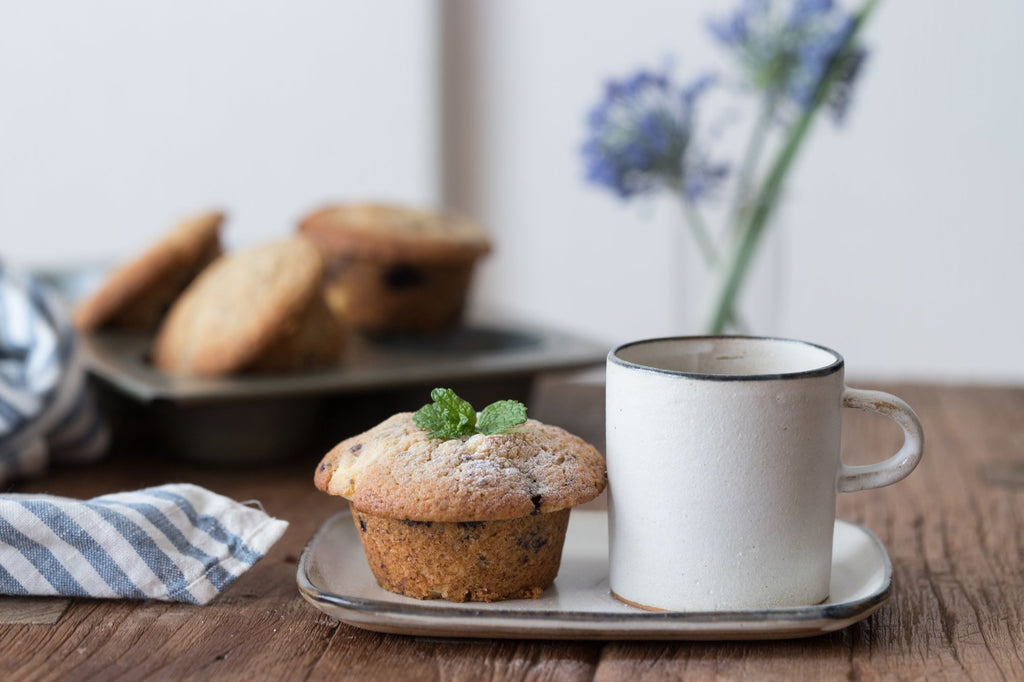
{"type": "Point", "coordinates": [786, 47]}
{"type": "Point", "coordinates": [640, 137]}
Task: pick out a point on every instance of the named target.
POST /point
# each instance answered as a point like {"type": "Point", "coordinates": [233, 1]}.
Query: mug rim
{"type": "Point", "coordinates": [825, 370]}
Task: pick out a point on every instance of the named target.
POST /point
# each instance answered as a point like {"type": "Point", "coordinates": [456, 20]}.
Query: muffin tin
{"type": "Point", "coordinates": [267, 416]}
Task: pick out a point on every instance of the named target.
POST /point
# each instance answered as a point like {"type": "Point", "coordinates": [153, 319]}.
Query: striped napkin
{"type": "Point", "coordinates": [47, 412]}
{"type": "Point", "coordinates": [176, 542]}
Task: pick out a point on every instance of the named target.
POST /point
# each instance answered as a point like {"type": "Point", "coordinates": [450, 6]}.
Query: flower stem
{"type": "Point", "coordinates": [708, 250]}
{"type": "Point", "coordinates": [701, 234]}
{"type": "Point", "coordinates": [745, 244]}
{"type": "Point", "coordinates": [751, 160]}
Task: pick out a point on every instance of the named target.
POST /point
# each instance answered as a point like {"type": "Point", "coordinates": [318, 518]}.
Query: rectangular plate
{"type": "Point", "coordinates": [333, 576]}
{"type": "Point", "coordinates": [471, 353]}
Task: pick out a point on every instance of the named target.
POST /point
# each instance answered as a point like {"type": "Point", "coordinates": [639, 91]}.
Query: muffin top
{"type": "Point", "coordinates": [138, 292]}
{"type": "Point", "coordinates": [395, 469]}
{"type": "Point", "coordinates": [391, 232]}
{"type": "Point", "coordinates": [238, 307]}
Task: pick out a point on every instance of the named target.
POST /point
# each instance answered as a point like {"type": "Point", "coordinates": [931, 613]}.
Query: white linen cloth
{"type": "Point", "coordinates": [175, 542]}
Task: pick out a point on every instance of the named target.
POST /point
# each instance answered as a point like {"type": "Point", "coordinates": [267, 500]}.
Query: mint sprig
{"type": "Point", "coordinates": [449, 416]}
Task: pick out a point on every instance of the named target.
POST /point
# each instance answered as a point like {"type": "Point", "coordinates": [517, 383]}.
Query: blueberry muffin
{"type": "Point", "coordinates": [256, 310]}
{"type": "Point", "coordinates": [395, 269]}
{"type": "Point", "coordinates": [137, 294]}
{"type": "Point", "coordinates": [477, 518]}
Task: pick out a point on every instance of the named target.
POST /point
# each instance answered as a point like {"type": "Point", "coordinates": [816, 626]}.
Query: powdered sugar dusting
{"type": "Point", "coordinates": [400, 472]}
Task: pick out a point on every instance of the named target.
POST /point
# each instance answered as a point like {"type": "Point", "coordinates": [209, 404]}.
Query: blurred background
{"type": "Point", "coordinates": [899, 243]}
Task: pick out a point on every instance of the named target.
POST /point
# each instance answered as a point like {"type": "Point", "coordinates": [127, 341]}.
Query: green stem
{"type": "Point", "coordinates": [748, 239]}
{"type": "Point", "coordinates": [701, 234]}
{"type": "Point", "coordinates": [706, 246]}
{"type": "Point", "coordinates": [751, 160]}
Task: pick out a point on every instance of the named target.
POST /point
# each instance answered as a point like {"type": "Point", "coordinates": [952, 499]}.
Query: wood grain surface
{"type": "Point", "coordinates": [954, 530]}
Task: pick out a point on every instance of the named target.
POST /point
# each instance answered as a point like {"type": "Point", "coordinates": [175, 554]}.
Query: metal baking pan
{"type": "Point", "coordinates": [259, 417]}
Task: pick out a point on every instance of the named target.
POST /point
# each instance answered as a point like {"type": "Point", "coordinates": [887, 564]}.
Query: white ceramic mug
{"type": "Point", "coordinates": [723, 468]}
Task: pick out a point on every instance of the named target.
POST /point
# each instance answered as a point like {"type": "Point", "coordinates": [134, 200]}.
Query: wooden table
{"type": "Point", "coordinates": [954, 531]}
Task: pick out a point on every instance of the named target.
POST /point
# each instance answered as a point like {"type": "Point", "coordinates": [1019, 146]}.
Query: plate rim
{"type": "Point", "coordinates": [777, 623]}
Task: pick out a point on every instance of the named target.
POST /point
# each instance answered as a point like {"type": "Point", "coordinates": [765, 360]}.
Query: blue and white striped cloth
{"type": "Point", "coordinates": [47, 412]}
{"type": "Point", "coordinates": [176, 542]}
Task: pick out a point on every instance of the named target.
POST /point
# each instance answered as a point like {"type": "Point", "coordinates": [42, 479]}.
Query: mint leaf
{"type": "Point", "coordinates": [431, 418]}
{"type": "Point", "coordinates": [449, 416]}
{"type": "Point", "coordinates": [501, 415]}
{"type": "Point", "coordinates": [460, 414]}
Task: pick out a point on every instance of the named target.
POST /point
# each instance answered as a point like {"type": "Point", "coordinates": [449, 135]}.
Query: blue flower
{"type": "Point", "coordinates": [641, 138]}
{"type": "Point", "coordinates": [786, 49]}
{"type": "Point", "coordinates": [795, 56]}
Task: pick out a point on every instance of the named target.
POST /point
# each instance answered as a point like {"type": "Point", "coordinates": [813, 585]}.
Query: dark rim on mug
{"type": "Point", "coordinates": [832, 367]}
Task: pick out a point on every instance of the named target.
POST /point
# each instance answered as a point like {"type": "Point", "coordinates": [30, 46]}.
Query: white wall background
{"type": "Point", "coordinates": [902, 234]}
{"type": "Point", "coordinates": [119, 117]}
{"type": "Point", "coordinates": [903, 231]}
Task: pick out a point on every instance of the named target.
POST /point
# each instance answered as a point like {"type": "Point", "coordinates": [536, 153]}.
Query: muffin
{"type": "Point", "coordinates": [258, 310]}
{"type": "Point", "coordinates": [394, 269]}
{"type": "Point", "coordinates": [137, 294]}
{"type": "Point", "coordinates": [478, 518]}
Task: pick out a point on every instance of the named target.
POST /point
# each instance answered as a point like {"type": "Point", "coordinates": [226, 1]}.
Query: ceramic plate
{"type": "Point", "coordinates": [334, 577]}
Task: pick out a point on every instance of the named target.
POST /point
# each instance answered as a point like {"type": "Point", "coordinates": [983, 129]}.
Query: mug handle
{"type": "Point", "coordinates": [897, 467]}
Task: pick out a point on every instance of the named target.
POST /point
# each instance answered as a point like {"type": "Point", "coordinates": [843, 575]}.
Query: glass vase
{"type": "Point", "coordinates": [697, 285]}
